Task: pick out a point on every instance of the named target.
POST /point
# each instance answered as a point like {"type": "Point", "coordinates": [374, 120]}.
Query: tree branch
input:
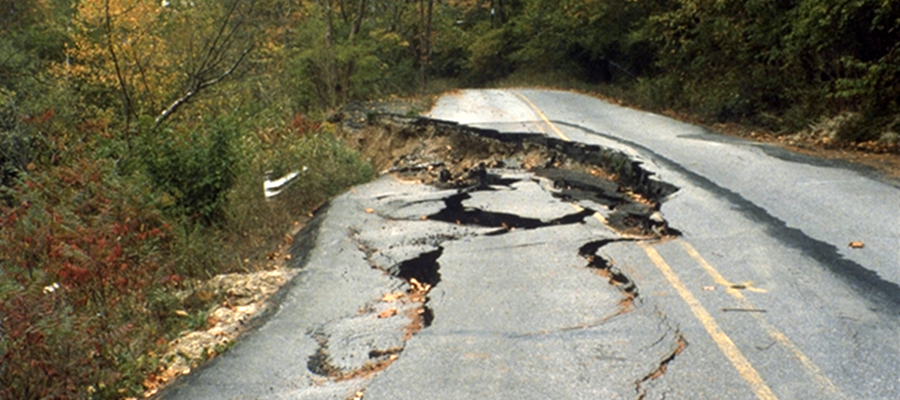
{"type": "Point", "coordinates": [360, 14]}
{"type": "Point", "coordinates": [198, 87]}
{"type": "Point", "coordinates": [129, 107]}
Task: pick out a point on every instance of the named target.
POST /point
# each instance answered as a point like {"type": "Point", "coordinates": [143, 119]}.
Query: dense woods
{"type": "Point", "coordinates": [135, 134]}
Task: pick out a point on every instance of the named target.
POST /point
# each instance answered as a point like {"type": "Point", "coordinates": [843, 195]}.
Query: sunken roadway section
{"type": "Point", "coordinates": [474, 268]}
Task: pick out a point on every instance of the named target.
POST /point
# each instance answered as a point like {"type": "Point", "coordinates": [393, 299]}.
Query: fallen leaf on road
{"type": "Point", "coordinates": [370, 210]}
{"type": "Point", "coordinates": [389, 297]}
{"type": "Point", "coordinates": [857, 245]}
{"type": "Point", "coordinates": [418, 286]}
{"type": "Point", "coordinates": [390, 312]}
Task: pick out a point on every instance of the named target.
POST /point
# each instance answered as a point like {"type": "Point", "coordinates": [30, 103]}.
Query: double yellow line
{"type": "Point", "coordinates": [730, 350]}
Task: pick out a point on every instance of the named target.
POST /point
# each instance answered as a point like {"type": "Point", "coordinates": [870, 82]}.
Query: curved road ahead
{"type": "Point", "coordinates": [760, 297]}
{"type": "Point", "coordinates": [752, 213]}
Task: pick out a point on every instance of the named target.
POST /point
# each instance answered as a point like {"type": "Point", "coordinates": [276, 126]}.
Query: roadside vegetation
{"type": "Point", "coordinates": [135, 135]}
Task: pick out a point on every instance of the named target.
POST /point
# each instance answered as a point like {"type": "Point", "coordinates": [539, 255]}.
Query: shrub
{"type": "Point", "coordinates": [254, 221]}
{"type": "Point", "coordinates": [81, 251]}
{"type": "Point", "coordinates": [195, 168]}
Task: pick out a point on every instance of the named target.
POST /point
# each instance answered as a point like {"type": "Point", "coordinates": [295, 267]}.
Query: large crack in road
{"type": "Point", "coordinates": [491, 273]}
{"type": "Point", "coordinates": [631, 201]}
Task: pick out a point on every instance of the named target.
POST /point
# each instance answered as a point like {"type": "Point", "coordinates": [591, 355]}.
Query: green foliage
{"type": "Point", "coordinates": [32, 39]}
{"type": "Point", "coordinates": [488, 59]}
{"type": "Point", "coordinates": [779, 64]}
{"type": "Point", "coordinates": [298, 144]}
{"type": "Point", "coordinates": [379, 59]}
{"type": "Point", "coordinates": [194, 168]}
{"type": "Point", "coordinates": [104, 221]}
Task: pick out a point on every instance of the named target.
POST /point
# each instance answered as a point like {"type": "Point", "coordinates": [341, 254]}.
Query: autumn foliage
{"type": "Point", "coordinates": [82, 255]}
{"type": "Point", "coordinates": [135, 134]}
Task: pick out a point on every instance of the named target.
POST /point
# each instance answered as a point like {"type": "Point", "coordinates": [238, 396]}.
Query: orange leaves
{"type": "Point", "coordinates": [390, 312]}
{"type": "Point", "coordinates": [73, 275]}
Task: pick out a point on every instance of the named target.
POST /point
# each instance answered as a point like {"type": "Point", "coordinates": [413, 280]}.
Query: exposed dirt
{"type": "Point", "coordinates": [367, 356]}
{"type": "Point", "coordinates": [681, 344]}
{"type": "Point", "coordinates": [244, 298]}
{"type": "Point", "coordinates": [448, 155]}
{"type": "Point", "coordinates": [613, 274]}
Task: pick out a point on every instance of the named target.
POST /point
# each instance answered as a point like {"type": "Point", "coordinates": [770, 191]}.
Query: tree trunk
{"type": "Point", "coordinates": [331, 73]}
{"type": "Point", "coordinates": [426, 12]}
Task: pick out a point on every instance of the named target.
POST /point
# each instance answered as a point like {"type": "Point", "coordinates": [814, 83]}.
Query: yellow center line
{"type": "Point", "coordinates": [728, 348]}
{"type": "Point", "coordinates": [726, 345]}
{"type": "Point", "coordinates": [543, 117]}
{"type": "Point", "coordinates": [773, 332]}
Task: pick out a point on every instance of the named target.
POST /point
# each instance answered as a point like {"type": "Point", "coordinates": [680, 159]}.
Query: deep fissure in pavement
{"type": "Point", "coordinates": [449, 155]}
{"type": "Point", "coordinates": [424, 268]}
{"type": "Point", "coordinates": [455, 212]}
{"type": "Point", "coordinates": [616, 277]}
{"type": "Point", "coordinates": [421, 273]}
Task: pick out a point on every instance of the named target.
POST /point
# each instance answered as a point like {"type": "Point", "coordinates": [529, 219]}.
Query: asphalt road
{"type": "Point", "coordinates": [761, 296]}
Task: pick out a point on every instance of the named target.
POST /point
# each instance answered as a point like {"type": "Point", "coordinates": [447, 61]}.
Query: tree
{"type": "Point", "coordinates": [141, 54]}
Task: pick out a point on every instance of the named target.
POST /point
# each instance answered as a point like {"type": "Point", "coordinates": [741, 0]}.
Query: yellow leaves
{"type": "Point", "coordinates": [129, 33]}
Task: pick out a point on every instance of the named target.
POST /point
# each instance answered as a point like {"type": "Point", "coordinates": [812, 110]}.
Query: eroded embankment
{"type": "Point", "coordinates": [450, 155]}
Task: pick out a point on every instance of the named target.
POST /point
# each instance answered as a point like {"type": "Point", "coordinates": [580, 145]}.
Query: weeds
{"type": "Point", "coordinates": [96, 266]}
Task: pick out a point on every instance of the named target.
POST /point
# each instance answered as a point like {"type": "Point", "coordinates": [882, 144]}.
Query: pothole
{"type": "Point", "coordinates": [423, 269]}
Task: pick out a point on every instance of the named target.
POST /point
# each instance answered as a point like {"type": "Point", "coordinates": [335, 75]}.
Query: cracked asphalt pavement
{"type": "Point", "coordinates": [532, 282]}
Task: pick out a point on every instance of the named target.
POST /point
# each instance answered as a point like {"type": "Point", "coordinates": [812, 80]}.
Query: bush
{"type": "Point", "coordinates": [254, 221]}
{"type": "Point", "coordinates": [81, 251]}
{"type": "Point", "coordinates": [195, 168]}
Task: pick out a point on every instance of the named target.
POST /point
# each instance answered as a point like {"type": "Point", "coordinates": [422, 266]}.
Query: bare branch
{"type": "Point", "coordinates": [214, 53]}
{"type": "Point", "coordinates": [360, 14]}
{"type": "Point", "coordinates": [198, 87]}
{"type": "Point", "coordinates": [129, 107]}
